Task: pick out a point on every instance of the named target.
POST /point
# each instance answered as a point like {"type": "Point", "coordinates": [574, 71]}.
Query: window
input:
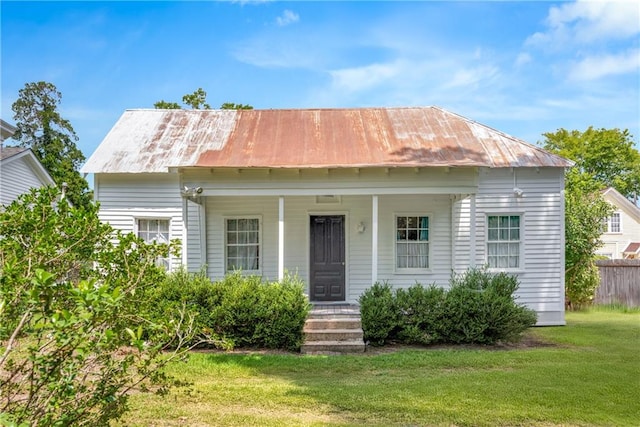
{"type": "Point", "coordinates": [155, 230]}
{"type": "Point", "coordinates": [613, 223]}
{"type": "Point", "coordinates": [503, 241]}
{"type": "Point", "coordinates": [412, 242]}
{"type": "Point", "coordinates": [243, 244]}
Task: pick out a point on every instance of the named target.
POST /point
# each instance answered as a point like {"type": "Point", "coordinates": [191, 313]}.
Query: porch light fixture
{"type": "Point", "coordinates": [518, 192]}
{"type": "Point", "coordinates": [191, 192]}
{"type": "Point", "coordinates": [361, 227]}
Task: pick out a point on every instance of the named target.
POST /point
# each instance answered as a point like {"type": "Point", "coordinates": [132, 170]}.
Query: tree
{"type": "Point", "coordinates": [608, 155]}
{"type": "Point", "coordinates": [232, 106]}
{"type": "Point", "coordinates": [585, 210]}
{"type": "Point", "coordinates": [41, 128]}
{"type": "Point", "coordinates": [164, 105]}
{"type": "Point", "coordinates": [71, 328]}
{"type": "Point", "coordinates": [604, 158]}
{"type": "Point", "coordinates": [198, 100]}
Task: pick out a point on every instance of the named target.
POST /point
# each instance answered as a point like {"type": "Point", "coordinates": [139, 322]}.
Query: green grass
{"type": "Point", "coordinates": [589, 374]}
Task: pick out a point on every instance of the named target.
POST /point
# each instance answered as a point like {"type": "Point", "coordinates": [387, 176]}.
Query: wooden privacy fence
{"type": "Point", "coordinates": [619, 282]}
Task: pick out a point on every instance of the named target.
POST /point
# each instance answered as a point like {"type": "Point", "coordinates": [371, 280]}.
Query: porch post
{"type": "Point", "coordinates": [374, 239]}
{"type": "Point", "coordinates": [281, 238]}
{"type": "Point", "coordinates": [472, 229]}
{"type": "Point", "coordinates": [185, 230]}
{"type": "Point", "coordinates": [202, 212]}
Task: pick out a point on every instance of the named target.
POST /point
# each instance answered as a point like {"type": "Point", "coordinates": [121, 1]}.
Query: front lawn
{"type": "Point", "coordinates": [587, 373]}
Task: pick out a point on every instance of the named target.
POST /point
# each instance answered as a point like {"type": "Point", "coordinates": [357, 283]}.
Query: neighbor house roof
{"type": "Point", "coordinates": [155, 140]}
{"type": "Point", "coordinates": [12, 154]}
{"type": "Point", "coordinates": [614, 197]}
{"type": "Point", "coordinates": [6, 152]}
{"type": "Point", "coordinates": [6, 130]}
{"type": "Point", "coordinates": [632, 248]}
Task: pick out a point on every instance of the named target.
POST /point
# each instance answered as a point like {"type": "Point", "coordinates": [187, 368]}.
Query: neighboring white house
{"type": "Point", "coordinates": [6, 130]}
{"type": "Point", "coordinates": [621, 234]}
{"type": "Point", "coordinates": [20, 170]}
{"type": "Point", "coordinates": [342, 197]}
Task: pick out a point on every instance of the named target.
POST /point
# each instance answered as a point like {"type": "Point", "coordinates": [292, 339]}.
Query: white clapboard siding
{"type": "Point", "coordinates": [17, 177]}
{"type": "Point", "coordinates": [438, 208]}
{"type": "Point", "coordinates": [457, 220]}
{"type": "Point", "coordinates": [541, 274]}
{"type": "Point", "coordinates": [125, 198]}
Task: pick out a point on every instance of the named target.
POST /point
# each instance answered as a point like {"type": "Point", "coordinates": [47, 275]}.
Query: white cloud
{"type": "Point", "coordinates": [361, 78]}
{"type": "Point", "coordinates": [288, 17]}
{"type": "Point", "coordinates": [584, 22]}
{"type": "Point", "coordinates": [523, 59]}
{"type": "Point", "coordinates": [472, 77]}
{"type": "Point", "coordinates": [597, 66]}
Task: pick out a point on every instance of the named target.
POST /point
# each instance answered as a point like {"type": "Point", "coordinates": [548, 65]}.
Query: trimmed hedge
{"type": "Point", "coordinates": [478, 308]}
{"type": "Point", "coordinates": [237, 311]}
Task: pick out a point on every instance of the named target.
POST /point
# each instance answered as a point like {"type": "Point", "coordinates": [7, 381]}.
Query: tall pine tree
{"type": "Point", "coordinates": [52, 139]}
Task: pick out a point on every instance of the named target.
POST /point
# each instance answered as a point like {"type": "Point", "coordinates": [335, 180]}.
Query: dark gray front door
{"type": "Point", "coordinates": [327, 258]}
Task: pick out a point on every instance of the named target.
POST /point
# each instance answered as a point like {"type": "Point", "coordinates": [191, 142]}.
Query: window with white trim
{"type": "Point", "coordinates": [242, 244]}
{"type": "Point", "coordinates": [613, 224]}
{"type": "Point", "coordinates": [155, 231]}
{"type": "Point", "coordinates": [412, 242]}
{"type": "Point", "coordinates": [503, 241]}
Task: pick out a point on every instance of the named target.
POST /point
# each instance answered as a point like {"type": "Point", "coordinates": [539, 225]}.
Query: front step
{"type": "Point", "coordinates": [333, 329]}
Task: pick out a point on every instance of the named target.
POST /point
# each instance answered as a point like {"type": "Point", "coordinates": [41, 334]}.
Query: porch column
{"type": "Point", "coordinates": [374, 239]}
{"type": "Point", "coordinates": [202, 212]}
{"type": "Point", "coordinates": [281, 238]}
{"type": "Point", "coordinates": [185, 230]}
{"type": "Point", "coordinates": [472, 229]}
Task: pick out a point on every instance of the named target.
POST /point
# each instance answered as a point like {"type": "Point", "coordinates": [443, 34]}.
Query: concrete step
{"type": "Point", "coordinates": [332, 347]}
{"type": "Point", "coordinates": [336, 335]}
{"type": "Point", "coordinates": [333, 323]}
{"type": "Point", "coordinates": [322, 314]}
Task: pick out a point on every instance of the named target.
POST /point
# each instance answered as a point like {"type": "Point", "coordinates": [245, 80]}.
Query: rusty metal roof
{"type": "Point", "coordinates": [154, 140]}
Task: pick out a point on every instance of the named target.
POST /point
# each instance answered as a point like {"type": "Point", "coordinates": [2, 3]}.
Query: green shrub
{"type": "Point", "coordinates": [419, 311]}
{"type": "Point", "coordinates": [378, 313]}
{"type": "Point", "coordinates": [478, 308]}
{"type": "Point", "coordinates": [252, 313]}
{"type": "Point", "coordinates": [237, 311]}
{"type": "Point", "coordinates": [184, 296]}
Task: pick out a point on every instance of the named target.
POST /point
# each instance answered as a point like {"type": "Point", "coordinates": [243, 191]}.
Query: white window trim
{"type": "Point", "coordinates": [394, 228]}
{"type": "Point", "coordinates": [521, 252]}
{"type": "Point", "coordinates": [153, 217]}
{"type": "Point", "coordinates": [608, 231]}
{"type": "Point", "coordinates": [226, 247]}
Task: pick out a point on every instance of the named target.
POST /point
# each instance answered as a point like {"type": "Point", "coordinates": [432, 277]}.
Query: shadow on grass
{"type": "Point", "coordinates": [587, 378]}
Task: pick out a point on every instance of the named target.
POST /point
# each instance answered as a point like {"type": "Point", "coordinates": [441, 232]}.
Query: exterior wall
{"type": "Point", "coordinates": [542, 208]}
{"type": "Point", "coordinates": [458, 220]}
{"type": "Point", "coordinates": [356, 209]}
{"type": "Point", "coordinates": [17, 177]}
{"type": "Point", "coordinates": [124, 198]}
{"type": "Point", "coordinates": [615, 243]}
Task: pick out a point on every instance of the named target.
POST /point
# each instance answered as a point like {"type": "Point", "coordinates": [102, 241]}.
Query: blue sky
{"type": "Point", "coordinates": [524, 68]}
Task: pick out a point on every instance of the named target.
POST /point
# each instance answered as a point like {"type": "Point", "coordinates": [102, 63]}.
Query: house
{"type": "Point", "coordinates": [621, 236]}
{"type": "Point", "coordinates": [342, 197]}
{"type": "Point", "coordinates": [20, 170]}
{"type": "Point", "coordinates": [6, 130]}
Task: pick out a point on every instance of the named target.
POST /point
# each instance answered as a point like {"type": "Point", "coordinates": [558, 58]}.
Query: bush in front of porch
{"type": "Point", "coordinates": [478, 308]}
{"type": "Point", "coordinates": [238, 311]}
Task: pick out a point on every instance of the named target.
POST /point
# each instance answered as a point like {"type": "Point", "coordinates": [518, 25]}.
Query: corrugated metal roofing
{"type": "Point", "coordinates": [153, 140]}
